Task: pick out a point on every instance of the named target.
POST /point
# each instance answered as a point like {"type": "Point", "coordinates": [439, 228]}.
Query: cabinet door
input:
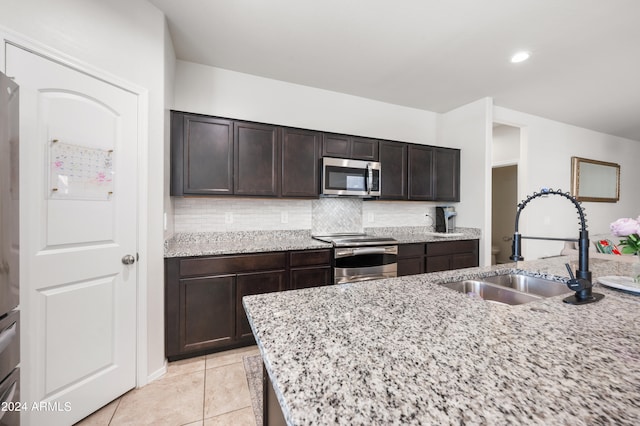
{"type": "Point", "coordinates": [255, 283]}
{"type": "Point", "coordinates": [201, 155]}
{"type": "Point", "coordinates": [336, 145]}
{"type": "Point", "coordinates": [393, 160]}
{"type": "Point", "coordinates": [310, 277]}
{"type": "Point", "coordinates": [256, 159]}
{"type": "Point", "coordinates": [300, 166]}
{"type": "Point", "coordinates": [206, 312]}
{"type": "Point", "coordinates": [464, 260]}
{"type": "Point", "coordinates": [447, 174]}
{"type": "Point", "coordinates": [420, 172]}
{"type": "Point", "coordinates": [437, 263]}
{"type": "Point", "coordinates": [410, 266]}
{"type": "Point", "coordinates": [364, 149]}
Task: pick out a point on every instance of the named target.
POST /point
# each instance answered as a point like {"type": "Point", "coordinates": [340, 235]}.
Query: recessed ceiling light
{"type": "Point", "coordinates": [520, 57]}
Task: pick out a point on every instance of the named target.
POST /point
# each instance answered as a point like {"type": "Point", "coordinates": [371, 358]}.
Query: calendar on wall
{"type": "Point", "coordinates": [79, 172]}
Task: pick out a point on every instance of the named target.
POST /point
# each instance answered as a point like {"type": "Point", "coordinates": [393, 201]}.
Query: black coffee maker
{"type": "Point", "coordinates": [446, 219]}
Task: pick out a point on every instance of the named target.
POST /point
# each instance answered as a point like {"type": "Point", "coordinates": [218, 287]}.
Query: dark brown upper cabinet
{"type": "Point", "coordinates": [420, 178]}
{"type": "Point", "coordinates": [433, 173]}
{"type": "Point", "coordinates": [201, 155]}
{"type": "Point", "coordinates": [393, 160]}
{"type": "Point", "coordinates": [219, 156]}
{"type": "Point", "coordinates": [353, 147]}
{"type": "Point", "coordinates": [300, 166]}
{"type": "Point", "coordinates": [447, 174]}
{"type": "Point", "coordinates": [257, 156]}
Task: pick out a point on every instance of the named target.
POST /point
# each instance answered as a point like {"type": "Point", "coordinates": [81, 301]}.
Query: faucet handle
{"type": "Point", "coordinates": [576, 284]}
{"type": "Point", "coordinates": [573, 277]}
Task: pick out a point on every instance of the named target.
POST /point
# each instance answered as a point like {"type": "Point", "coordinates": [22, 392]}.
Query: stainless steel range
{"type": "Point", "coordinates": [361, 257]}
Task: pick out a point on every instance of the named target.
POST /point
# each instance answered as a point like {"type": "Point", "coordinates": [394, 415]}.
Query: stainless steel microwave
{"type": "Point", "coordinates": [344, 177]}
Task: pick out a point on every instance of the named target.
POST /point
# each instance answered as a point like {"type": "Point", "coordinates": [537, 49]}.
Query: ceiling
{"type": "Point", "coordinates": [433, 54]}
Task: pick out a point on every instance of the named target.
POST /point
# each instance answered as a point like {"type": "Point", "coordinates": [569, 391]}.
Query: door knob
{"type": "Point", "coordinates": [128, 259]}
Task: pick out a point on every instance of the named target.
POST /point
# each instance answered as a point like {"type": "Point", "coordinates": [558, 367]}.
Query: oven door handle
{"type": "Point", "coordinates": [358, 251]}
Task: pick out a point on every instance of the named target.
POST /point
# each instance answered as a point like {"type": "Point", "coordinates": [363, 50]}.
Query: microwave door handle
{"type": "Point", "coordinates": [369, 178]}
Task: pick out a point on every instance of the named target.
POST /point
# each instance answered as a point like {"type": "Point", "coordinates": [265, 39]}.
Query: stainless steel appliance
{"type": "Point", "coordinates": [360, 257]}
{"type": "Point", "coordinates": [9, 255]}
{"type": "Point", "coordinates": [356, 178]}
{"type": "Point", "coordinates": [446, 219]}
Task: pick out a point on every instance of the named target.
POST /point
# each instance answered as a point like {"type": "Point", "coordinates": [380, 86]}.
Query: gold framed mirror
{"type": "Point", "coordinates": [593, 180]}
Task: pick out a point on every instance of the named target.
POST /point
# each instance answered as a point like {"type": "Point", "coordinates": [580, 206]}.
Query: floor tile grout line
{"type": "Point", "coordinates": [204, 391]}
{"type": "Point", "coordinates": [114, 411]}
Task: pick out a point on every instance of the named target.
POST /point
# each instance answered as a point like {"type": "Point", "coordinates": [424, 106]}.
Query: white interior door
{"type": "Point", "coordinates": [78, 171]}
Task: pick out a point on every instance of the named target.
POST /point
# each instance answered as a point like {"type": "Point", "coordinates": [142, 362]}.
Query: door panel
{"type": "Point", "coordinates": [77, 349]}
{"type": "Point", "coordinates": [78, 298]}
{"type": "Point", "coordinates": [71, 220]}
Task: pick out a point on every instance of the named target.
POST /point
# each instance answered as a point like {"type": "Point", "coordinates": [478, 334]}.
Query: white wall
{"type": "Point", "coordinates": [214, 91]}
{"type": "Point", "coordinates": [169, 83]}
{"type": "Point", "coordinates": [547, 155]}
{"type": "Point", "coordinates": [506, 145]}
{"type": "Point", "coordinates": [469, 128]}
{"type": "Point", "coordinates": [124, 39]}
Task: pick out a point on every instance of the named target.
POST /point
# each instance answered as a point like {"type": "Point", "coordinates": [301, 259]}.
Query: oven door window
{"type": "Point", "coordinates": [365, 260]}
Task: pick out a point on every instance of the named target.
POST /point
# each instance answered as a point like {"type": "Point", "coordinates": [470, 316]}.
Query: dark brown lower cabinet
{"type": "Point", "coordinates": [203, 295]}
{"type": "Point", "coordinates": [418, 258]}
{"type": "Point", "coordinates": [447, 255]}
{"type": "Point", "coordinates": [309, 268]}
{"type": "Point", "coordinates": [411, 259]}
{"type": "Point", "coordinates": [206, 312]}
{"type": "Point", "coordinates": [255, 283]}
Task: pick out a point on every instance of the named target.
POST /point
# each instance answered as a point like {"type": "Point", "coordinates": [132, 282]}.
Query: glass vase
{"type": "Point", "coordinates": [635, 269]}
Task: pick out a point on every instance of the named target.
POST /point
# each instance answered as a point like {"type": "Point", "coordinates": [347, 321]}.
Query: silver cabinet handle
{"type": "Point", "coordinates": [128, 259]}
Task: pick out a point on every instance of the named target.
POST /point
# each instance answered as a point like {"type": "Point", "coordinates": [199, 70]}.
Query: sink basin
{"type": "Point", "coordinates": [510, 289]}
{"type": "Point", "coordinates": [491, 292]}
{"type": "Point", "coordinates": [531, 285]}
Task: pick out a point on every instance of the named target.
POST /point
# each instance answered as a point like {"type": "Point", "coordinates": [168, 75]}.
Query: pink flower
{"type": "Point", "coordinates": [625, 226]}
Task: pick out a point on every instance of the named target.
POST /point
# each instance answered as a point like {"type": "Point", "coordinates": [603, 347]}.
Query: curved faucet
{"type": "Point", "coordinates": [581, 282]}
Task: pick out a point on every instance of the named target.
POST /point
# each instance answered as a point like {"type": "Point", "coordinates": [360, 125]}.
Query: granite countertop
{"type": "Point", "coordinates": [408, 351]}
{"type": "Point", "coordinates": [218, 243]}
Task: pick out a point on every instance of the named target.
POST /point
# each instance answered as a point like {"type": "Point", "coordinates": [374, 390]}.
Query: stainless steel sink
{"type": "Point", "coordinates": [492, 292]}
{"type": "Point", "coordinates": [531, 285]}
{"type": "Point", "coordinates": [510, 289]}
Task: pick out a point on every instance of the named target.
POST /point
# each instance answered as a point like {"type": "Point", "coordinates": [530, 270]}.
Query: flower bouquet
{"type": "Point", "coordinates": [629, 229]}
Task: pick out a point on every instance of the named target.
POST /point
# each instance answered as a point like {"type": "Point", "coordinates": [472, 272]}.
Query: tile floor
{"type": "Point", "coordinates": [208, 390]}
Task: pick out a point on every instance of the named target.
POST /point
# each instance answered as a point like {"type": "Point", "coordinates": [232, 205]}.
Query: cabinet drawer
{"type": "Point", "coordinates": [232, 264]}
{"type": "Point", "coordinates": [451, 247]}
{"type": "Point", "coordinates": [410, 250]}
{"type": "Point", "coordinates": [309, 258]}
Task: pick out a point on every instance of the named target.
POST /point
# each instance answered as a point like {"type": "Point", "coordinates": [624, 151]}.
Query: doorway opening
{"type": "Point", "coordinates": [504, 190]}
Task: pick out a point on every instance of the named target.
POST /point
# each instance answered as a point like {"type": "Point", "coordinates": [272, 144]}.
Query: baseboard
{"type": "Point", "coordinates": [158, 373]}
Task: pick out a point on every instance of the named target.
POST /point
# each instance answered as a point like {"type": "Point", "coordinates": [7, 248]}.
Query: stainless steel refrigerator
{"type": "Point", "coordinates": [9, 254]}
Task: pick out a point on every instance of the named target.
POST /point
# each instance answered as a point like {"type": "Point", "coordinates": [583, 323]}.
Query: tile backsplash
{"type": "Point", "coordinates": [321, 216]}
{"type": "Point", "coordinates": [336, 216]}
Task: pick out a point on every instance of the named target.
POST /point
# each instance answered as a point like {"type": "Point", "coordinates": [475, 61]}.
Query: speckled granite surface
{"type": "Point", "coordinates": [408, 351]}
{"type": "Point", "coordinates": [217, 243]}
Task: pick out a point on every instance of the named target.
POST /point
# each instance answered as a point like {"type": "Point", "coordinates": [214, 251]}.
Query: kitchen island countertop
{"type": "Point", "coordinates": [408, 351]}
